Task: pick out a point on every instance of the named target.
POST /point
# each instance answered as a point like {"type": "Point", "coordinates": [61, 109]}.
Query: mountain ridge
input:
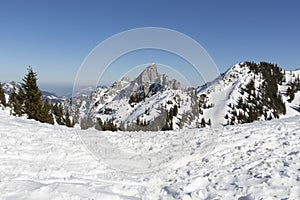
{"type": "Point", "coordinates": [246, 92]}
{"type": "Point", "coordinates": [217, 100]}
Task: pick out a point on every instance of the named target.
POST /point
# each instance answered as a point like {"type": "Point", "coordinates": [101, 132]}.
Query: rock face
{"type": "Point", "coordinates": [149, 75]}
{"type": "Point", "coordinates": [172, 84]}
{"type": "Point", "coordinates": [148, 82]}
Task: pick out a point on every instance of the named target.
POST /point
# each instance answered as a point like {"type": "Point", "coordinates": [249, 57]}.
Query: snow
{"type": "Point", "coordinates": [226, 90]}
{"type": "Point", "coordinates": [223, 93]}
{"type": "Point", "coordinates": [123, 112]}
{"type": "Point", "coordinates": [251, 161]}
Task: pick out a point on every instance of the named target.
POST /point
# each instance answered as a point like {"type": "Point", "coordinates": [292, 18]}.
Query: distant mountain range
{"type": "Point", "coordinates": [8, 87]}
{"type": "Point", "coordinates": [246, 92]}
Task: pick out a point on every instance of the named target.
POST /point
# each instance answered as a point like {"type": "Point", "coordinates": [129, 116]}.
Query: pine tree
{"type": "Point", "coordinates": [2, 96]}
{"type": "Point", "coordinates": [46, 114]}
{"type": "Point", "coordinates": [209, 122]}
{"type": "Point", "coordinates": [58, 112]}
{"type": "Point", "coordinates": [226, 116]}
{"type": "Point", "coordinates": [168, 120]}
{"type": "Point", "coordinates": [175, 110]}
{"type": "Point", "coordinates": [32, 95]}
{"type": "Point", "coordinates": [99, 124]}
{"type": "Point", "coordinates": [11, 97]}
{"type": "Point", "coordinates": [291, 94]}
{"type": "Point", "coordinates": [168, 126]}
{"type": "Point", "coordinates": [250, 87]}
{"type": "Point", "coordinates": [109, 126]}
{"type": "Point", "coordinates": [87, 122]}
{"type": "Point", "coordinates": [16, 102]}
{"type": "Point", "coordinates": [240, 103]}
{"type": "Point", "coordinates": [122, 126]}
{"type": "Point", "coordinates": [203, 123]}
{"type": "Point", "coordinates": [232, 120]}
{"type": "Point", "coordinates": [68, 120]}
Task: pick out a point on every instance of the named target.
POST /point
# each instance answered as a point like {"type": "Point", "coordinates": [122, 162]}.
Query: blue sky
{"type": "Point", "coordinates": [55, 36]}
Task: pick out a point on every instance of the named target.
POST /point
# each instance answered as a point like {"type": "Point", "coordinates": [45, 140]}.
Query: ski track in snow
{"type": "Point", "coordinates": [252, 161]}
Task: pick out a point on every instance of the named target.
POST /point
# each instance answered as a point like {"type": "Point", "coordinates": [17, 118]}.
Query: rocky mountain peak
{"type": "Point", "coordinates": [149, 75]}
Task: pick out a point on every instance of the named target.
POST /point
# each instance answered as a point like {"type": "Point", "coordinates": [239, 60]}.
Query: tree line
{"type": "Point", "coordinates": [27, 100]}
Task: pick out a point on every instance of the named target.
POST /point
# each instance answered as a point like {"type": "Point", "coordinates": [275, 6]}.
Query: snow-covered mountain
{"type": "Point", "coordinates": [149, 102]}
{"type": "Point", "coordinates": [252, 91]}
{"type": "Point", "coordinates": [246, 92]}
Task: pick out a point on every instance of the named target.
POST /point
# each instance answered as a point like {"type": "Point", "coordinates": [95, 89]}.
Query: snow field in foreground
{"type": "Point", "coordinates": [251, 161]}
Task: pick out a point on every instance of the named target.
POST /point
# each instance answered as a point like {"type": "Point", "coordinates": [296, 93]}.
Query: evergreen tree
{"type": "Point", "coordinates": [46, 114]}
{"type": "Point", "coordinates": [291, 94]}
{"type": "Point", "coordinates": [240, 103]}
{"type": "Point", "coordinates": [88, 122]}
{"type": "Point", "coordinates": [68, 120]}
{"type": "Point", "coordinates": [203, 123]}
{"type": "Point", "coordinates": [136, 98]}
{"type": "Point", "coordinates": [168, 120]}
{"type": "Point", "coordinates": [58, 112]}
{"type": "Point", "coordinates": [16, 102]}
{"type": "Point", "coordinates": [12, 97]}
{"type": "Point", "coordinates": [2, 96]}
{"type": "Point", "coordinates": [232, 122]}
{"type": "Point", "coordinates": [175, 110]}
{"type": "Point", "coordinates": [250, 87]}
{"type": "Point", "coordinates": [209, 122]}
{"type": "Point", "coordinates": [32, 96]}
{"type": "Point", "coordinates": [122, 126]}
{"type": "Point", "coordinates": [99, 124]}
{"type": "Point", "coordinates": [109, 126]}
{"type": "Point", "coordinates": [168, 126]}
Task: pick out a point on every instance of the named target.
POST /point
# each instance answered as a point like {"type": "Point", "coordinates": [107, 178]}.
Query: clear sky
{"type": "Point", "coordinates": [55, 36]}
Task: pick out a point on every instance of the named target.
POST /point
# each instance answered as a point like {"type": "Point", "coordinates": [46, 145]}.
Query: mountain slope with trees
{"type": "Point", "coordinates": [27, 99]}
{"type": "Point", "coordinates": [247, 92]}
{"type": "Point", "coordinates": [252, 91]}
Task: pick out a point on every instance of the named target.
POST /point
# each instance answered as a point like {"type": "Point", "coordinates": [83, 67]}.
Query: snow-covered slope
{"type": "Point", "coordinates": [253, 161]}
{"type": "Point", "coordinates": [293, 106]}
{"type": "Point", "coordinates": [225, 90]}
{"type": "Point", "coordinates": [231, 99]}
{"type": "Point", "coordinates": [246, 92]}
{"type": "Point", "coordinates": [143, 103]}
